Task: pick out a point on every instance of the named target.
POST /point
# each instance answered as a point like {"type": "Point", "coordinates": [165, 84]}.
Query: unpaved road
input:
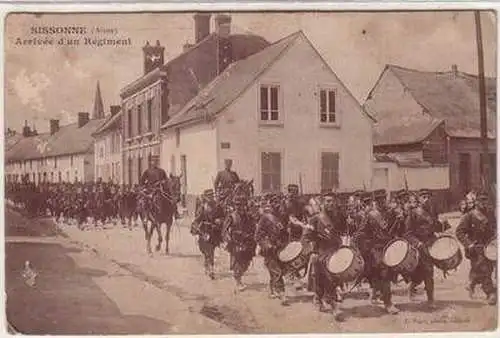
{"type": "Point", "coordinates": [180, 298]}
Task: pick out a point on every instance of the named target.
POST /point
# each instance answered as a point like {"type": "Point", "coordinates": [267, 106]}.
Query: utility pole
{"type": "Point", "coordinates": [482, 102]}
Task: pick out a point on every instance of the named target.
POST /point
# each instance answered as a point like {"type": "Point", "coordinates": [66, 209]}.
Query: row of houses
{"type": "Point", "coordinates": [240, 97]}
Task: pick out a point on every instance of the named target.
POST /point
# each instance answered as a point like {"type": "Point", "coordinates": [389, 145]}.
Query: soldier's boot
{"type": "Point", "coordinates": [492, 298]}
{"type": "Point", "coordinates": [375, 297]}
{"type": "Point", "coordinates": [284, 299]}
{"type": "Point", "coordinates": [391, 309]}
{"type": "Point", "coordinates": [273, 294]}
{"type": "Point", "coordinates": [413, 292]}
{"type": "Point", "coordinates": [211, 272]}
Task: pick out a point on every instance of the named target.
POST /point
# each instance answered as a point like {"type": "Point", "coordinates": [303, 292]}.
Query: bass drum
{"type": "Point", "coordinates": [345, 264]}
{"type": "Point", "coordinates": [445, 253]}
{"type": "Point", "coordinates": [400, 256]}
{"type": "Point", "coordinates": [295, 256]}
{"type": "Point", "coordinates": [490, 250]}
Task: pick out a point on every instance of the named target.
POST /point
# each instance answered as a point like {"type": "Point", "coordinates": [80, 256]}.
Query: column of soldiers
{"type": "Point", "coordinates": [367, 222]}
{"type": "Point", "coordinates": [92, 203]}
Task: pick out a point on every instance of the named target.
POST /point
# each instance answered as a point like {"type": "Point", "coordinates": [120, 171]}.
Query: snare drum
{"type": "Point", "coordinates": [490, 250]}
{"type": "Point", "coordinates": [345, 264]}
{"type": "Point", "coordinates": [295, 256]}
{"type": "Point", "coordinates": [445, 253]}
{"type": "Point", "coordinates": [400, 256]}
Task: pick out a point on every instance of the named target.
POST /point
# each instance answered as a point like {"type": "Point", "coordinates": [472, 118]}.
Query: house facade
{"type": "Point", "coordinates": [65, 154]}
{"type": "Point", "coordinates": [107, 148]}
{"type": "Point", "coordinates": [275, 128]}
{"type": "Point", "coordinates": [165, 88]}
{"type": "Point", "coordinates": [432, 119]}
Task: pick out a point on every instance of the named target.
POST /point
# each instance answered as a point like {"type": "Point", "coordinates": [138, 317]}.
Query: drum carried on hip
{"type": "Point", "coordinates": [345, 264]}
{"type": "Point", "coordinates": [400, 256]}
{"type": "Point", "coordinates": [445, 253]}
{"type": "Point", "coordinates": [295, 256]}
{"type": "Point", "coordinates": [490, 250]}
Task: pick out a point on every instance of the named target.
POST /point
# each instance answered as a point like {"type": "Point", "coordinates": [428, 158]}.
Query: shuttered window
{"type": "Point", "coordinates": [150, 115]}
{"type": "Point", "coordinates": [139, 119]}
{"type": "Point", "coordinates": [129, 121]}
{"type": "Point", "coordinates": [329, 171]}
{"type": "Point", "coordinates": [271, 171]}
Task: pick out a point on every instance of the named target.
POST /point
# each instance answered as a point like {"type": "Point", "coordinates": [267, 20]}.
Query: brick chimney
{"type": "Point", "coordinates": [83, 119]}
{"type": "Point", "coordinates": [54, 126]}
{"type": "Point", "coordinates": [114, 109]}
{"type": "Point", "coordinates": [26, 129]}
{"type": "Point", "coordinates": [224, 47]}
{"type": "Point", "coordinates": [153, 56]}
{"type": "Point", "coordinates": [201, 26]}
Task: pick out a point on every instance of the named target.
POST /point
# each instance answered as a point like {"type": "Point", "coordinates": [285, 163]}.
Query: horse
{"type": "Point", "coordinates": [156, 207]}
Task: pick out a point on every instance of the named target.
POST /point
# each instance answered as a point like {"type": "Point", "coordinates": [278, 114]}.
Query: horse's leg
{"type": "Point", "coordinates": [149, 233]}
{"type": "Point", "coordinates": [158, 232]}
{"type": "Point", "coordinates": [167, 234]}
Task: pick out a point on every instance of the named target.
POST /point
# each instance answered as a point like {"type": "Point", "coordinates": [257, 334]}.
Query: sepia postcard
{"type": "Point", "coordinates": [230, 172]}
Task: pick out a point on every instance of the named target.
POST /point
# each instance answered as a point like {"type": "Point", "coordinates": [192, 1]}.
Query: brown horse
{"type": "Point", "coordinates": [157, 206]}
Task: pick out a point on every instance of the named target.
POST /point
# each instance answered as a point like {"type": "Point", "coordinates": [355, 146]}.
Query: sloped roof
{"type": "Point", "coordinates": [402, 160]}
{"type": "Point", "coordinates": [110, 122]}
{"type": "Point", "coordinates": [452, 97]}
{"type": "Point", "coordinates": [193, 69]}
{"type": "Point", "coordinates": [230, 84]}
{"type": "Point", "coordinates": [12, 140]}
{"type": "Point", "coordinates": [68, 140]}
{"type": "Point", "coordinates": [399, 131]}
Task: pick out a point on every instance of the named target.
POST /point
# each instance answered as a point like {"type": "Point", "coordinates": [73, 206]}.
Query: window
{"type": "Point", "coordinates": [59, 178]}
{"type": "Point", "coordinates": [327, 106]}
{"type": "Point", "coordinates": [139, 119]}
{"type": "Point", "coordinates": [55, 162]}
{"type": "Point", "coordinates": [101, 152]}
{"type": "Point", "coordinates": [52, 177]}
{"type": "Point", "coordinates": [31, 164]}
{"type": "Point", "coordinates": [150, 115]}
{"type": "Point", "coordinates": [34, 177]}
{"type": "Point", "coordinates": [492, 167]}
{"type": "Point", "coordinates": [67, 176]}
{"type": "Point", "coordinates": [71, 160]}
{"type": "Point", "coordinates": [329, 171]}
{"type": "Point", "coordinates": [269, 107]}
{"type": "Point", "coordinates": [464, 171]}
{"type": "Point", "coordinates": [271, 171]}
{"type": "Point", "coordinates": [177, 137]}
{"type": "Point", "coordinates": [39, 177]}
{"type": "Point", "coordinates": [129, 120]}
{"type": "Point", "coordinates": [129, 171]}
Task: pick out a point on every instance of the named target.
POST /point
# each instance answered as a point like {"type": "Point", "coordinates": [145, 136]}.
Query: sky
{"type": "Point", "coordinates": [57, 82]}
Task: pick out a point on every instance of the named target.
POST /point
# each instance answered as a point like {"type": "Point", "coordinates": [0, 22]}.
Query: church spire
{"type": "Point", "coordinates": [98, 110]}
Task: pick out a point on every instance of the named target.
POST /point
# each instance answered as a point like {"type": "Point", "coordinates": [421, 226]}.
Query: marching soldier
{"type": "Point", "coordinates": [325, 233]}
{"type": "Point", "coordinates": [207, 226]}
{"type": "Point", "coordinates": [420, 228]}
{"type": "Point", "coordinates": [476, 228]}
{"type": "Point", "coordinates": [271, 236]}
{"type": "Point", "coordinates": [371, 239]}
{"type": "Point", "coordinates": [240, 232]}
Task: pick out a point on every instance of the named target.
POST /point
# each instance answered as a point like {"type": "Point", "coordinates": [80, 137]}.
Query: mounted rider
{"type": "Point", "coordinates": [225, 181]}
{"type": "Point", "coordinates": [153, 174]}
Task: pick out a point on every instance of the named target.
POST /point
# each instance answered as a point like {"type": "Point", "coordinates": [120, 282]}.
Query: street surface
{"type": "Point", "coordinates": [102, 281]}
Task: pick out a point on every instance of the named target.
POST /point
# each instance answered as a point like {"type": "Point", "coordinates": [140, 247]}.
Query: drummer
{"type": "Point", "coordinates": [325, 231]}
{"type": "Point", "coordinates": [420, 231]}
{"type": "Point", "coordinates": [271, 236]}
{"type": "Point", "coordinates": [371, 238]}
{"type": "Point", "coordinates": [476, 228]}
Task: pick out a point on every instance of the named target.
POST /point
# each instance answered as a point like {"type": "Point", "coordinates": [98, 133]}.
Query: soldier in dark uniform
{"type": "Point", "coordinates": [271, 236]}
{"type": "Point", "coordinates": [325, 233]}
{"type": "Point", "coordinates": [294, 207]}
{"type": "Point", "coordinates": [240, 232]}
{"type": "Point", "coordinates": [207, 226]}
{"type": "Point", "coordinates": [225, 181]}
{"type": "Point", "coordinates": [420, 229]}
{"type": "Point", "coordinates": [371, 239]}
{"type": "Point", "coordinates": [476, 228]}
{"type": "Point", "coordinates": [154, 173]}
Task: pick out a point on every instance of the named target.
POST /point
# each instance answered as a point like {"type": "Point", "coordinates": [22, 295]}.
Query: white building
{"type": "Point", "coordinates": [283, 116]}
{"type": "Point", "coordinates": [108, 147]}
{"type": "Point", "coordinates": [65, 154]}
